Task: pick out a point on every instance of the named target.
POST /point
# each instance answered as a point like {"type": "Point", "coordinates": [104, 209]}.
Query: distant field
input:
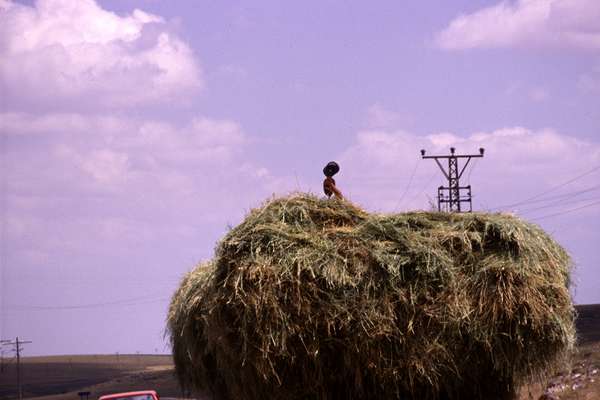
{"type": "Point", "coordinates": [61, 377]}
{"type": "Point", "coordinates": [123, 360]}
{"type": "Point", "coordinates": [588, 323]}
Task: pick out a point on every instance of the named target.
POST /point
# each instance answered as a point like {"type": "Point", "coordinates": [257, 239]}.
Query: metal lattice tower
{"type": "Point", "coordinates": [451, 198]}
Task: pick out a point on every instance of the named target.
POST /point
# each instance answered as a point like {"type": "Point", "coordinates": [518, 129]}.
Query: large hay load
{"type": "Point", "coordinates": [317, 299]}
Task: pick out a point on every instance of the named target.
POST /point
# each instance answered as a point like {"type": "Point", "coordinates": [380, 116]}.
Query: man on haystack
{"type": "Point", "coordinates": [329, 187]}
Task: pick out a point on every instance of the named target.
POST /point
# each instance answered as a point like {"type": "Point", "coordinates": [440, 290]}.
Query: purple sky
{"type": "Point", "coordinates": [133, 133]}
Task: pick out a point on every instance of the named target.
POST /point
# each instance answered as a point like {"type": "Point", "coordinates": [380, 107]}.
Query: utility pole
{"type": "Point", "coordinates": [17, 343]}
{"type": "Point", "coordinates": [2, 343]}
{"type": "Point", "coordinates": [84, 394]}
{"type": "Point", "coordinates": [450, 196]}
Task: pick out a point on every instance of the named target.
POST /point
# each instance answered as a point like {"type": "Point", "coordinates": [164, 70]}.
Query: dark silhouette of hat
{"type": "Point", "coordinates": [331, 168]}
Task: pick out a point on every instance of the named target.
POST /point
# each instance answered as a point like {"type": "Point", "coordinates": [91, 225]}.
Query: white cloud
{"type": "Point", "coordinates": [526, 23]}
{"type": "Point", "coordinates": [19, 123]}
{"type": "Point", "coordinates": [517, 164]}
{"type": "Point", "coordinates": [106, 166]}
{"type": "Point", "coordinates": [211, 132]}
{"type": "Point", "coordinates": [66, 50]}
{"type": "Point", "coordinates": [381, 117]}
{"type": "Point", "coordinates": [83, 180]}
{"type": "Point", "coordinates": [107, 146]}
{"type": "Point", "coordinates": [538, 94]}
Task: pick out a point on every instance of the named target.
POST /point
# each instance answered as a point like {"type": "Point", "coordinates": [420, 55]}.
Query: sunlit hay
{"type": "Point", "coordinates": [317, 299]}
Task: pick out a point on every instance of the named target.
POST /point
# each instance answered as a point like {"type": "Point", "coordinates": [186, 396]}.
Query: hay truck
{"type": "Point", "coordinates": [309, 298]}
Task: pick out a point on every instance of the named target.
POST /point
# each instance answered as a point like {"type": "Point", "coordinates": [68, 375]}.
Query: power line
{"type": "Point", "coordinates": [124, 302]}
{"type": "Point", "coordinates": [566, 211]}
{"type": "Point", "coordinates": [424, 186]}
{"type": "Point", "coordinates": [565, 196]}
{"type": "Point", "coordinates": [471, 171]}
{"type": "Point", "coordinates": [549, 190]}
{"type": "Point", "coordinates": [407, 186]}
{"type": "Point", "coordinates": [555, 204]}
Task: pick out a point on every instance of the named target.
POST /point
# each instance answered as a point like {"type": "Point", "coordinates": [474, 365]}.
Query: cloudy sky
{"type": "Point", "coordinates": [134, 132]}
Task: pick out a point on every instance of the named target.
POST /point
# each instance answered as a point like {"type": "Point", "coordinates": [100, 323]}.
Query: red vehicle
{"type": "Point", "coordinates": [141, 395]}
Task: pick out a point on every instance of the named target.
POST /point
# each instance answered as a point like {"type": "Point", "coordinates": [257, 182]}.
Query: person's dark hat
{"type": "Point", "coordinates": [331, 169]}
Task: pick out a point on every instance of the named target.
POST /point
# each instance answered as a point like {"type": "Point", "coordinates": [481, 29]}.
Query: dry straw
{"type": "Point", "coordinates": [317, 299]}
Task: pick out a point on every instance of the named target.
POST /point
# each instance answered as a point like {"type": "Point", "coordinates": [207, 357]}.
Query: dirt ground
{"type": "Point", "coordinates": [581, 381]}
{"type": "Point", "coordinates": [61, 377]}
